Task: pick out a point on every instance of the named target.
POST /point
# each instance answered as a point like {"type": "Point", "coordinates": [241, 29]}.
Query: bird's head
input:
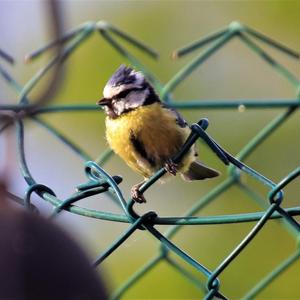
{"type": "Point", "coordinates": [126, 90]}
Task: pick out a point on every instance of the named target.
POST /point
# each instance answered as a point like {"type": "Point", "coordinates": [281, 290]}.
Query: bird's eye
{"type": "Point", "coordinates": [123, 94]}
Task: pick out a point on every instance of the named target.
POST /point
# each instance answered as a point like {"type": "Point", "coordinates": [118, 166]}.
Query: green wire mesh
{"type": "Point", "coordinates": [99, 181]}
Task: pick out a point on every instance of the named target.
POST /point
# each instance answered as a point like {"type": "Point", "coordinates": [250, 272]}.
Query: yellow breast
{"type": "Point", "coordinates": [156, 128]}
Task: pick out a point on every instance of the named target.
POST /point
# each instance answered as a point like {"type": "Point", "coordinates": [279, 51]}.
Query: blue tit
{"type": "Point", "coordinates": [144, 132]}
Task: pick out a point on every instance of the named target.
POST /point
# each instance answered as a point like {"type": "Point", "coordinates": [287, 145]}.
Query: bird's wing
{"type": "Point", "coordinates": [179, 118]}
{"type": "Point", "coordinates": [140, 149]}
{"type": "Point", "coordinates": [180, 121]}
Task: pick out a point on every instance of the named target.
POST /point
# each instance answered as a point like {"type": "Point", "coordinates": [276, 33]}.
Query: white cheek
{"type": "Point", "coordinates": [132, 102]}
{"type": "Point", "coordinates": [136, 99]}
{"type": "Point", "coordinates": [106, 109]}
{"type": "Point", "coordinates": [119, 107]}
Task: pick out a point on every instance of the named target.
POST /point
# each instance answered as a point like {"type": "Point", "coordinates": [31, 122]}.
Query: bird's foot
{"type": "Point", "coordinates": [136, 194]}
{"type": "Point", "coordinates": [171, 167]}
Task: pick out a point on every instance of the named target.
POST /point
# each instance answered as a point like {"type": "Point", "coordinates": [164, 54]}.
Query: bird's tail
{"type": "Point", "coordinates": [198, 171]}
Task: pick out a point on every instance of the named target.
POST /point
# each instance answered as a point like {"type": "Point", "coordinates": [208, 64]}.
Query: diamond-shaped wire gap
{"type": "Point", "coordinates": [234, 30]}
{"type": "Point", "coordinates": [210, 80]}
{"type": "Point", "coordinates": [264, 133]}
{"type": "Point", "coordinates": [234, 138]}
{"type": "Point", "coordinates": [227, 203]}
{"type": "Point", "coordinates": [135, 277]}
{"type": "Point", "coordinates": [281, 135]}
{"type": "Point", "coordinates": [277, 274]}
{"type": "Point", "coordinates": [211, 195]}
{"type": "Point", "coordinates": [263, 203]}
{"type": "Point", "coordinates": [165, 287]}
{"type": "Point", "coordinates": [192, 283]}
{"type": "Point", "coordinates": [230, 274]}
{"type": "Point", "coordinates": [244, 263]}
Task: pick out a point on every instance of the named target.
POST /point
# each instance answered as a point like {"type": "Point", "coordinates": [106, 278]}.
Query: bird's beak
{"type": "Point", "coordinates": [104, 101]}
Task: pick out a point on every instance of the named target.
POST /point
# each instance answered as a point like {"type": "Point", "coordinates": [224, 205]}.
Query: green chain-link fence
{"type": "Point", "coordinates": [99, 181]}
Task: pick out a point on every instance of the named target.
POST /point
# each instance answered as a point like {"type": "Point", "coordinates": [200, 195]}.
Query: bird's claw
{"type": "Point", "coordinates": [137, 195]}
{"type": "Point", "coordinates": [171, 167]}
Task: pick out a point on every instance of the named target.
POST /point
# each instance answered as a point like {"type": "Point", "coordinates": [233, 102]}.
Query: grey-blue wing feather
{"type": "Point", "coordinates": [180, 121]}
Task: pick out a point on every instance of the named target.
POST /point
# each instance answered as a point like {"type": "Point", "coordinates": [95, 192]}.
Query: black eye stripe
{"type": "Point", "coordinates": [123, 94]}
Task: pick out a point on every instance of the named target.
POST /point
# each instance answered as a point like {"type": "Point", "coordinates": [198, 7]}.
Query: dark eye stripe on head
{"type": "Point", "coordinates": [123, 94]}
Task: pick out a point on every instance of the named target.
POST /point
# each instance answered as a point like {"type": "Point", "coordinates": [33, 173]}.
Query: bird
{"type": "Point", "coordinates": [145, 132]}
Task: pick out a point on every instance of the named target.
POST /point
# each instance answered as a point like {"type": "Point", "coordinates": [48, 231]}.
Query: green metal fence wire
{"type": "Point", "coordinates": [99, 181]}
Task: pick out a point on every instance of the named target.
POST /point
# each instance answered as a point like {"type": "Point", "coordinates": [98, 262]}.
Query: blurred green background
{"type": "Point", "coordinates": [233, 73]}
